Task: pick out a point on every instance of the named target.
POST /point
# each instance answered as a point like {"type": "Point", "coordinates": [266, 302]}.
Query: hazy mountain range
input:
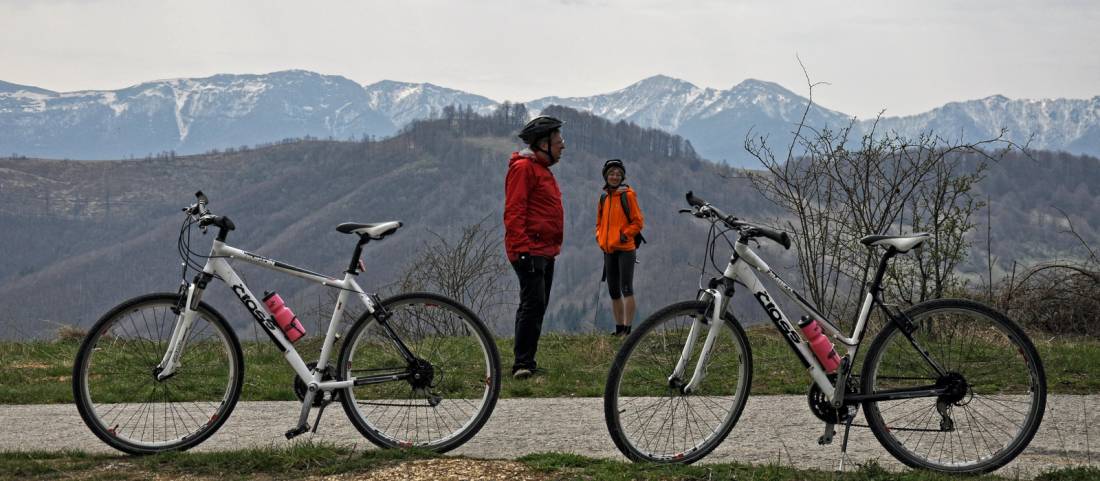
{"type": "Point", "coordinates": [228, 111]}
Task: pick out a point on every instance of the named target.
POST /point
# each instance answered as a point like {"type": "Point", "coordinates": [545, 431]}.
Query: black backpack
{"type": "Point", "coordinates": [639, 239]}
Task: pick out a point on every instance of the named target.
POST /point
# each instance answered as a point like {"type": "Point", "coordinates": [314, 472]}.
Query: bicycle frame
{"type": "Point", "coordinates": [740, 269]}
{"type": "Point", "coordinates": [218, 266]}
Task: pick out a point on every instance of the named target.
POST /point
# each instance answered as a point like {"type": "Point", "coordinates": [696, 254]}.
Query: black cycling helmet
{"type": "Point", "coordinates": [611, 164]}
{"type": "Point", "coordinates": [539, 128]}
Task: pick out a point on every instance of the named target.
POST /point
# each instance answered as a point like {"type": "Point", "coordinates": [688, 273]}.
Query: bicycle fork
{"type": "Point", "coordinates": [190, 295]}
{"type": "Point", "coordinates": [717, 303]}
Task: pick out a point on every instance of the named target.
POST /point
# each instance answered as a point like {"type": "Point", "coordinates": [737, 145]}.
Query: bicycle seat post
{"type": "Point", "coordinates": [353, 266]}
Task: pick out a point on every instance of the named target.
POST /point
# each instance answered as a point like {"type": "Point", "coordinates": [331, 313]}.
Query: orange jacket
{"type": "Point", "coordinates": [613, 232]}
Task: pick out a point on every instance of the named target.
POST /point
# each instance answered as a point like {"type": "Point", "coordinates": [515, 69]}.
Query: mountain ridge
{"type": "Point", "coordinates": [231, 110]}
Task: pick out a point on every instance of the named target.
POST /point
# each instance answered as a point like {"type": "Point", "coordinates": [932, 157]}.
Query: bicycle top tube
{"type": "Point", "coordinates": [199, 213]}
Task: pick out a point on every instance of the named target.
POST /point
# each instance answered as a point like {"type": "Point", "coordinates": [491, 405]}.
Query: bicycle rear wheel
{"type": "Point", "coordinates": [995, 380]}
{"type": "Point", "coordinates": [115, 385]}
{"type": "Point", "coordinates": [648, 415]}
{"type": "Point", "coordinates": [459, 374]}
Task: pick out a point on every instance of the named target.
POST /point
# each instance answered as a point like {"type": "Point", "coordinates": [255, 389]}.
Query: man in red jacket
{"type": "Point", "coordinates": [533, 231]}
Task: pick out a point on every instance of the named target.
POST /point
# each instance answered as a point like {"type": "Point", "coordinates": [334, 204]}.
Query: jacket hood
{"type": "Point", "coordinates": [529, 155]}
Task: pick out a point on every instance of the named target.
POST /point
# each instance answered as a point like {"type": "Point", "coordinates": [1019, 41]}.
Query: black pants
{"type": "Point", "coordinates": [619, 268]}
{"type": "Point", "coordinates": [534, 294]}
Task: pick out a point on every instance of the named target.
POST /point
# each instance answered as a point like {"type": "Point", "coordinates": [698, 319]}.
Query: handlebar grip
{"type": "Point", "coordinates": [695, 201]}
{"type": "Point", "coordinates": [217, 221]}
{"type": "Point", "coordinates": [780, 238]}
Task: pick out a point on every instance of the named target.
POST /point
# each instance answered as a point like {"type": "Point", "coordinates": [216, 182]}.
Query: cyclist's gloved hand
{"type": "Point", "coordinates": [526, 263]}
{"type": "Point", "coordinates": [622, 238]}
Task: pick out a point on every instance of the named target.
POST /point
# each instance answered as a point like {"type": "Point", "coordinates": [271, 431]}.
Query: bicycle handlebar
{"type": "Point", "coordinates": [700, 208]}
{"type": "Point", "coordinates": [206, 218]}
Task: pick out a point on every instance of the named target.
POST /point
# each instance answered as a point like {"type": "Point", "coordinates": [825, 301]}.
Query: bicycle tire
{"type": "Point", "coordinates": [467, 390]}
{"type": "Point", "coordinates": [1002, 381]}
{"type": "Point", "coordinates": [660, 338]}
{"type": "Point", "coordinates": [115, 388]}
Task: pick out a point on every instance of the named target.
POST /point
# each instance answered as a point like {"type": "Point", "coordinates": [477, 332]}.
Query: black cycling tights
{"type": "Point", "coordinates": [619, 267]}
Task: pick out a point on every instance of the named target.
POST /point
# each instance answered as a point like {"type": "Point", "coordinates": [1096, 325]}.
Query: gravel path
{"type": "Point", "coordinates": [773, 429]}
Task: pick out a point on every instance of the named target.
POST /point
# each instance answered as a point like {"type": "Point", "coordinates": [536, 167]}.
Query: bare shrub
{"type": "Point", "coordinates": [469, 269]}
{"type": "Point", "coordinates": [70, 333]}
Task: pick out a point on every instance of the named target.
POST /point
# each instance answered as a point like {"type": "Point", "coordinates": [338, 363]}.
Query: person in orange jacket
{"type": "Point", "coordinates": [619, 223]}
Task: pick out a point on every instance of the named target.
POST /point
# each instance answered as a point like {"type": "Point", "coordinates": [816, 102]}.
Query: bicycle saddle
{"type": "Point", "coordinates": [900, 243]}
{"type": "Point", "coordinates": [375, 231]}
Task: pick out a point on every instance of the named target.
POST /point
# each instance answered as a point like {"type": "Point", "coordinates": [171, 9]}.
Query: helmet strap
{"type": "Point", "coordinates": [547, 151]}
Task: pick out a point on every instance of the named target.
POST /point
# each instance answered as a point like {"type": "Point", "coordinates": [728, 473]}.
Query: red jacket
{"type": "Point", "coordinates": [534, 220]}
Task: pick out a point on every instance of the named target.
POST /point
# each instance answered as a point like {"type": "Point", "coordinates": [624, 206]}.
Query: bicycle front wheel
{"type": "Point", "coordinates": [115, 383]}
{"type": "Point", "coordinates": [456, 381]}
{"type": "Point", "coordinates": [648, 415]}
{"type": "Point", "coordinates": [996, 388]}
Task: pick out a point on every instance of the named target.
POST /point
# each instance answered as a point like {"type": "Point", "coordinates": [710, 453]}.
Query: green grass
{"type": "Point", "coordinates": [317, 460]}
{"type": "Point", "coordinates": [40, 371]}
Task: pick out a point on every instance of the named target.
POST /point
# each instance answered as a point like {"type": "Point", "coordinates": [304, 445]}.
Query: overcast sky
{"type": "Point", "coordinates": [903, 56]}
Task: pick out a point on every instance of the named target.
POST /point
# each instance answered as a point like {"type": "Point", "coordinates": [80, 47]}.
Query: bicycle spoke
{"type": "Point", "coordinates": [396, 412]}
{"type": "Point", "coordinates": [136, 412]}
{"type": "Point", "coordinates": [655, 420]}
{"type": "Point", "coordinates": [990, 407]}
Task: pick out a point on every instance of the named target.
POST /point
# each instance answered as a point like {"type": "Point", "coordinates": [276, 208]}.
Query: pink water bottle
{"type": "Point", "coordinates": [284, 317]}
{"type": "Point", "coordinates": [822, 347]}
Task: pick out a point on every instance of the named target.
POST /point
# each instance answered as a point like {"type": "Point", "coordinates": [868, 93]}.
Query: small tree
{"type": "Point", "coordinates": [835, 196]}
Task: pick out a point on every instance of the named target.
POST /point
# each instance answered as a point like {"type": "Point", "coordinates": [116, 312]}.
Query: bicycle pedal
{"type": "Point", "coordinates": [293, 433]}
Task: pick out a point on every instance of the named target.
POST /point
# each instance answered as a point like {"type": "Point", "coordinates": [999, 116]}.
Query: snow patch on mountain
{"type": "Point", "coordinates": [23, 101]}
{"type": "Point", "coordinates": [404, 102]}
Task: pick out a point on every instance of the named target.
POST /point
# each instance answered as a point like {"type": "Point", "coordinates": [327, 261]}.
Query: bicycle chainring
{"type": "Point", "coordinates": [824, 410]}
{"type": "Point", "coordinates": [322, 398]}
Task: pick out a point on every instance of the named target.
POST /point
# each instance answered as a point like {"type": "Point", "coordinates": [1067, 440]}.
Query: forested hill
{"type": "Point", "coordinates": [79, 237]}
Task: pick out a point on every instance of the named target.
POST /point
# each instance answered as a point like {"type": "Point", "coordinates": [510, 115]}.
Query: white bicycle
{"type": "Point", "coordinates": [949, 384]}
{"type": "Point", "coordinates": [164, 371]}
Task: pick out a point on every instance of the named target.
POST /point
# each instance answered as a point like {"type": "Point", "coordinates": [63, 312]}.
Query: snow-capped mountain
{"type": "Point", "coordinates": [667, 103]}
{"type": "Point", "coordinates": [1072, 125]}
{"type": "Point", "coordinates": [184, 115]}
{"type": "Point", "coordinates": [715, 121]}
{"type": "Point", "coordinates": [657, 102]}
{"type": "Point", "coordinates": [404, 102]}
{"type": "Point", "coordinates": [195, 115]}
